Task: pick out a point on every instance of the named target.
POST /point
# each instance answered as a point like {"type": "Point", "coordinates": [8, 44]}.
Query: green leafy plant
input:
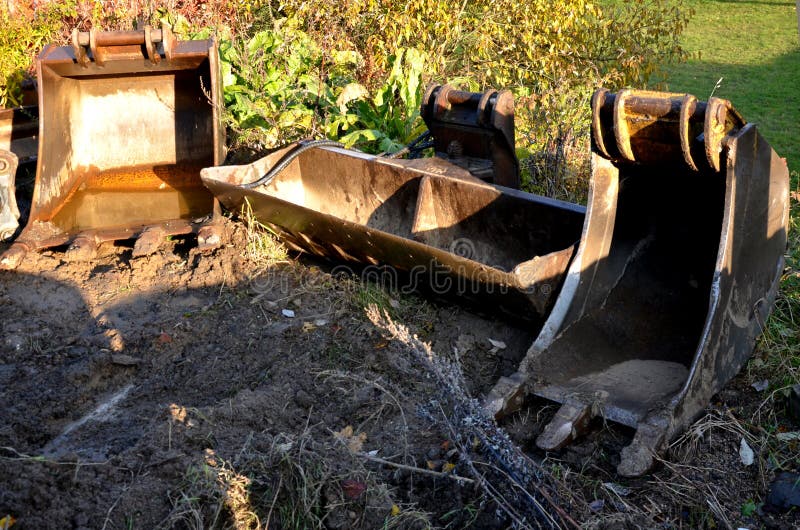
{"type": "Point", "coordinates": [390, 120]}
{"type": "Point", "coordinates": [749, 508]}
{"type": "Point", "coordinates": [281, 86]}
{"type": "Point", "coordinates": [273, 86]}
{"type": "Point", "coordinates": [23, 36]}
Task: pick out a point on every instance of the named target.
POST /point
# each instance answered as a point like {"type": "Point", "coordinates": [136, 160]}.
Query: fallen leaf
{"type": "Point", "coordinates": [7, 522]}
{"type": "Point", "coordinates": [448, 467]}
{"type": "Point", "coordinates": [395, 510]}
{"type": "Point", "coordinates": [164, 338]}
{"type": "Point", "coordinates": [353, 489]}
{"type": "Point", "coordinates": [353, 441]}
{"type": "Point", "coordinates": [788, 436]}
{"type": "Point", "coordinates": [746, 453]}
{"type": "Point", "coordinates": [499, 344]}
{"type": "Point", "coordinates": [308, 326]}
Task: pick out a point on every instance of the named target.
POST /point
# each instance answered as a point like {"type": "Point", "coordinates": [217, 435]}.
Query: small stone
{"type": "Point", "coordinates": [794, 402]}
{"type": "Point", "coordinates": [124, 360]}
{"type": "Point", "coordinates": [303, 400]}
{"type": "Point", "coordinates": [784, 493]}
{"type": "Point", "coordinates": [746, 453]}
{"type": "Point", "coordinates": [288, 313]}
{"type": "Point", "coordinates": [597, 505]}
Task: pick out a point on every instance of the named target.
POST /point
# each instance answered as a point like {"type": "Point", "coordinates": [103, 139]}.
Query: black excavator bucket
{"type": "Point", "coordinates": [676, 272]}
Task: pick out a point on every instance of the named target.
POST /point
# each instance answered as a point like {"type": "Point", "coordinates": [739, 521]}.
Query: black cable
{"type": "Point", "coordinates": [287, 159]}
{"type": "Point", "coordinates": [414, 147]}
{"type": "Point", "coordinates": [417, 151]}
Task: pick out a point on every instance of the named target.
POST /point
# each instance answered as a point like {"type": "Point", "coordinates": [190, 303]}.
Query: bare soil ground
{"type": "Point", "coordinates": [173, 391]}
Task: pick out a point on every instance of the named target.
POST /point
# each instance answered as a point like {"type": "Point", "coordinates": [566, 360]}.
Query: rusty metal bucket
{"type": "Point", "coordinates": [676, 272]}
{"type": "Point", "coordinates": [452, 233]}
{"type": "Point", "coordinates": [127, 120]}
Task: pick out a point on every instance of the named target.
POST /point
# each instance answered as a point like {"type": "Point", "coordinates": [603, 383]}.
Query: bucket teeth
{"type": "Point", "coordinates": [640, 456]}
{"type": "Point", "coordinates": [571, 420]}
{"type": "Point", "coordinates": [82, 248]}
{"type": "Point", "coordinates": [12, 258]}
{"type": "Point", "coordinates": [507, 396]}
{"type": "Point", "coordinates": [149, 241]}
{"type": "Point", "coordinates": [209, 236]}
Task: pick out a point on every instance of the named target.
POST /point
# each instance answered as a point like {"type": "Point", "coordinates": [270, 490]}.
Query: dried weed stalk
{"type": "Point", "coordinates": [520, 487]}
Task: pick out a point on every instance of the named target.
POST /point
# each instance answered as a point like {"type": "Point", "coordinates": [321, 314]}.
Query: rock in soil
{"type": "Point", "coordinates": [784, 493]}
{"type": "Point", "coordinates": [794, 402]}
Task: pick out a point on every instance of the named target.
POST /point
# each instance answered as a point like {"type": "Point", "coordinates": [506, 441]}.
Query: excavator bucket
{"type": "Point", "coordinates": [18, 145]}
{"type": "Point", "coordinates": [451, 233]}
{"type": "Point", "coordinates": [127, 119]}
{"type": "Point", "coordinates": [435, 220]}
{"type": "Point", "coordinates": [675, 274]}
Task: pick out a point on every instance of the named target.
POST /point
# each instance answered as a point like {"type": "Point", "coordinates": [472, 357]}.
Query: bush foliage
{"type": "Point", "coordinates": [355, 70]}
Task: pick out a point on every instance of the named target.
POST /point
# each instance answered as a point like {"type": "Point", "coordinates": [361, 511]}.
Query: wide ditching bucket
{"type": "Point", "coordinates": [676, 272]}
{"type": "Point", "coordinates": [450, 233]}
{"type": "Point", "coordinates": [434, 220]}
{"type": "Point", "coordinates": [127, 120]}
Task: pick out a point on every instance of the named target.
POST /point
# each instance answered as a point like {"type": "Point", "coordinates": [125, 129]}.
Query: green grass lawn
{"type": "Point", "coordinates": [754, 46]}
